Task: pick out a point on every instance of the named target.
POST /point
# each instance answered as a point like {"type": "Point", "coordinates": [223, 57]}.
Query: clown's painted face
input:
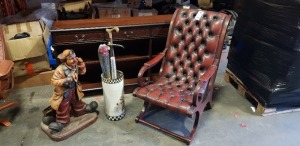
{"type": "Point", "coordinates": [72, 60]}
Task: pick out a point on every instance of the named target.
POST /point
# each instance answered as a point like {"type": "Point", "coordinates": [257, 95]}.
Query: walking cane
{"type": "Point", "coordinates": [112, 53]}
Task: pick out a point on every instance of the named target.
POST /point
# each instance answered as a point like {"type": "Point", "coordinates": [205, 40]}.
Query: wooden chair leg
{"type": "Point", "coordinates": [2, 107]}
{"type": "Point", "coordinates": [195, 126]}
{"type": "Point", "coordinates": [5, 123]}
{"type": "Point", "coordinates": [210, 104]}
{"type": "Point", "coordinates": [141, 115]}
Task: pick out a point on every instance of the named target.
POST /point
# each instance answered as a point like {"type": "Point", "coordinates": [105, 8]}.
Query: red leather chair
{"type": "Point", "coordinates": [189, 67]}
{"type": "Point", "coordinates": [6, 78]}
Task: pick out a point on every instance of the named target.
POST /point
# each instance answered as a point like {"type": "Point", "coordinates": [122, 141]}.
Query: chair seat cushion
{"type": "Point", "coordinates": [175, 96]}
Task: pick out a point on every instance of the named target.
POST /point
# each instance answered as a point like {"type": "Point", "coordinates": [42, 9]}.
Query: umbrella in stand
{"type": "Point", "coordinates": [103, 54]}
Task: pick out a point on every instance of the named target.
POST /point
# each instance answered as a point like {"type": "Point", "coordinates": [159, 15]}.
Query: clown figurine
{"type": "Point", "coordinates": [66, 100]}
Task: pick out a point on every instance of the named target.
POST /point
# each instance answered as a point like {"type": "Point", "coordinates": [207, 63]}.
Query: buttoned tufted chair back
{"type": "Point", "coordinates": [192, 47]}
{"type": "Point", "coordinates": [189, 66]}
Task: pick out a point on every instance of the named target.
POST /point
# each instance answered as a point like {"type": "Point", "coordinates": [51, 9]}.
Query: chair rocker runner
{"type": "Point", "coordinates": [189, 67]}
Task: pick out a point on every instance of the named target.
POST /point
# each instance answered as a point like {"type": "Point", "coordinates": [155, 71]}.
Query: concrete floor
{"type": "Point", "coordinates": [219, 126]}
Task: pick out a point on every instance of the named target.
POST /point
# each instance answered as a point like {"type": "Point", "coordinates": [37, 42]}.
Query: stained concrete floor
{"type": "Point", "coordinates": [218, 127]}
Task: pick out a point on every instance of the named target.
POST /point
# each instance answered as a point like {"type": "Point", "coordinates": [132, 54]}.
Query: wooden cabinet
{"type": "Point", "coordinates": [142, 37]}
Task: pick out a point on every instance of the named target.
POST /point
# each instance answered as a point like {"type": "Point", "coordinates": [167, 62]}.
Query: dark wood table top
{"type": "Point", "coordinates": [60, 25]}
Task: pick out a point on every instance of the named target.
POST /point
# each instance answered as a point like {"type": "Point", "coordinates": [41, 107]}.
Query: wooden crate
{"type": "Point", "coordinates": [259, 108]}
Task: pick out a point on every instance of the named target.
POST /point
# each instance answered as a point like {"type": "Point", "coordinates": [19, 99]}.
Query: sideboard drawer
{"type": "Point", "coordinates": [77, 37]}
{"type": "Point", "coordinates": [159, 31]}
{"type": "Point", "coordinates": [132, 33]}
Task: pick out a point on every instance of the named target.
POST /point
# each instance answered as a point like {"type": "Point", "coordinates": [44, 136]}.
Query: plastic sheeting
{"type": "Point", "coordinates": [265, 51]}
{"type": "Point", "coordinates": [47, 15]}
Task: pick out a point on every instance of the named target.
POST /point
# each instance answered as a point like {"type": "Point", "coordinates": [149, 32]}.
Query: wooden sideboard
{"type": "Point", "coordinates": [142, 37]}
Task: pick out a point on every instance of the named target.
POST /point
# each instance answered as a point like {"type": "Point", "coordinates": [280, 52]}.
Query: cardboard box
{"type": "Point", "coordinates": [75, 6]}
{"type": "Point", "coordinates": [114, 12]}
{"type": "Point", "coordinates": [38, 64]}
{"type": "Point", "coordinates": [22, 50]}
{"type": "Point", "coordinates": [146, 12]}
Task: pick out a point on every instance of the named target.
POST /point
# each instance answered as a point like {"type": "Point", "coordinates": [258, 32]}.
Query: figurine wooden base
{"type": "Point", "coordinates": [77, 124]}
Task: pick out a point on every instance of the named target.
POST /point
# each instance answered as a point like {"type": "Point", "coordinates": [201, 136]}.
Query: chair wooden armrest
{"type": "Point", "coordinates": [201, 87]}
{"type": "Point", "coordinates": [6, 66]}
{"type": "Point", "coordinates": [6, 78]}
{"type": "Point", "coordinates": [144, 81]}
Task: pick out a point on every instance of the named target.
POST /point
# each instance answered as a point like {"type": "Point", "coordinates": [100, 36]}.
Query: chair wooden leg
{"type": "Point", "coordinates": [2, 107]}
{"type": "Point", "coordinates": [5, 123]}
{"type": "Point", "coordinates": [143, 112]}
{"type": "Point", "coordinates": [210, 104]}
{"type": "Point", "coordinates": [195, 126]}
{"type": "Point", "coordinates": [209, 99]}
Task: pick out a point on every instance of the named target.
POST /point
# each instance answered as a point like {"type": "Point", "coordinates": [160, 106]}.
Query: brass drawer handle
{"type": "Point", "coordinates": [80, 39]}
{"type": "Point", "coordinates": [128, 34]}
